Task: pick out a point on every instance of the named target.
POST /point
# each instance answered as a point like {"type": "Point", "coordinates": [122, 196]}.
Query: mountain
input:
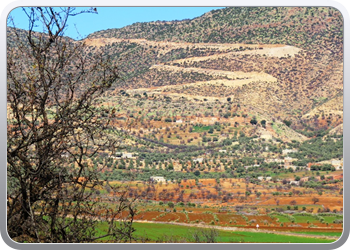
{"type": "Point", "coordinates": [299, 26]}
{"type": "Point", "coordinates": [284, 63]}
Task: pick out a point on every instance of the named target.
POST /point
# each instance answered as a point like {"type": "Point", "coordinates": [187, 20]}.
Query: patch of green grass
{"type": "Point", "coordinates": [276, 128]}
{"type": "Point", "coordinates": [330, 219]}
{"type": "Point", "coordinates": [152, 232]}
{"type": "Point", "coordinates": [252, 237]}
{"type": "Point", "coordinates": [281, 219]}
{"type": "Point", "coordinates": [322, 233]}
{"type": "Point", "coordinates": [304, 219]}
{"type": "Point", "coordinates": [199, 129]}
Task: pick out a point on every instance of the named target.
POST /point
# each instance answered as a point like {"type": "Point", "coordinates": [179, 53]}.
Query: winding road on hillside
{"type": "Point", "coordinates": [235, 79]}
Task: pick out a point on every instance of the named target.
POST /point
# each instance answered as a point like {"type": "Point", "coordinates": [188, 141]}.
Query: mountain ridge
{"type": "Point", "coordinates": [283, 60]}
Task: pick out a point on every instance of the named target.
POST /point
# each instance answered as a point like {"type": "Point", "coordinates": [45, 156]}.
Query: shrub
{"type": "Point", "coordinates": [338, 221]}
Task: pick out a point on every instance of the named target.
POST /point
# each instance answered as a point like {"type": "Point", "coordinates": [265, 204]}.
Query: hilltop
{"type": "Point", "coordinates": [281, 60]}
{"type": "Point", "coordinates": [281, 63]}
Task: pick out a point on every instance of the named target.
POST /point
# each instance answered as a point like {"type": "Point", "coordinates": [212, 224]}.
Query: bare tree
{"type": "Point", "coordinates": [293, 202]}
{"type": "Point", "coordinates": [315, 200]}
{"type": "Point", "coordinates": [54, 127]}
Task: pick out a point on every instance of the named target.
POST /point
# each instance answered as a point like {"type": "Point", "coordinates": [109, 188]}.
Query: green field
{"type": "Point", "coordinates": [304, 219]}
{"type": "Point", "coordinates": [281, 219]}
{"type": "Point", "coordinates": [199, 129]}
{"type": "Point", "coordinates": [154, 232]}
{"type": "Point", "coordinates": [161, 231]}
{"type": "Point", "coordinates": [322, 233]}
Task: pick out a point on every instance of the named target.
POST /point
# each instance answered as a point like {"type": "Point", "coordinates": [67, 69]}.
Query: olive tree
{"type": "Point", "coordinates": [54, 128]}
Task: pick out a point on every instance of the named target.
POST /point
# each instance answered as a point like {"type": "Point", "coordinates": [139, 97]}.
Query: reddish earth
{"type": "Point", "coordinates": [234, 220]}
{"type": "Point", "coordinates": [210, 193]}
{"type": "Point", "coordinates": [211, 210]}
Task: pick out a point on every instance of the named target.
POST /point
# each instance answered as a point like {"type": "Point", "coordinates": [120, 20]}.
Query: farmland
{"type": "Point", "coordinates": [193, 203]}
{"type": "Point", "coordinates": [221, 169]}
{"type": "Point", "coordinates": [165, 233]}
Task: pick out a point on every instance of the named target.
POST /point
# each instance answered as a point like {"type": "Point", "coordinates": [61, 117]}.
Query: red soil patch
{"type": "Point", "coordinates": [205, 217]}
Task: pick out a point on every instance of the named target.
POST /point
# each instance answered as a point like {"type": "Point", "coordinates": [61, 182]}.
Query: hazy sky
{"type": "Point", "coordinates": [117, 17]}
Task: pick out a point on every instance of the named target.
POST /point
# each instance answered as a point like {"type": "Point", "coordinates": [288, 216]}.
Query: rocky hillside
{"type": "Point", "coordinates": [285, 62]}
{"type": "Point", "coordinates": [300, 26]}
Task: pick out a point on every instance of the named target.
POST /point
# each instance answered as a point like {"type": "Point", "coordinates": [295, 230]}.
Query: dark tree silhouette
{"type": "Point", "coordinates": [315, 200]}
{"type": "Point", "coordinates": [54, 126]}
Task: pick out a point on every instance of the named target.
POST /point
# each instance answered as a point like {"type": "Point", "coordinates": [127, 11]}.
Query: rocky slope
{"type": "Point", "coordinates": [286, 62]}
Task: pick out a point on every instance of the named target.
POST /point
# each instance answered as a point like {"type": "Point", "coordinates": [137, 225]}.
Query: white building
{"type": "Point", "coordinates": [199, 160]}
{"type": "Point", "coordinates": [123, 155]}
{"type": "Point", "coordinates": [157, 178]}
{"type": "Point", "coordinates": [127, 155]}
{"type": "Point", "coordinates": [287, 151]}
{"type": "Point", "coordinates": [256, 165]}
{"type": "Point", "coordinates": [274, 160]}
{"type": "Point", "coordinates": [262, 178]}
{"type": "Point", "coordinates": [337, 164]}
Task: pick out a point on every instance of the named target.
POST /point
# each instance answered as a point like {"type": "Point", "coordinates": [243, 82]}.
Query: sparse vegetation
{"type": "Point", "coordinates": [231, 119]}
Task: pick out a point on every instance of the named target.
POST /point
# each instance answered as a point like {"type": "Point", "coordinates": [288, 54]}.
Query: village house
{"type": "Point", "coordinates": [287, 151]}
{"type": "Point", "coordinates": [273, 160]}
{"type": "Point", "coordinates": [123, 155]}
{"type": "Point", "coordinates": [256, 165]}
{"type": "Point", "coordinates": [338, 164]}
{"type": "Point", "coordinates": [262, 178]}
{"type": "Point", "coordinates": [199, 160]}
{"type": "Point", "coordinates": [157, 178]}
{"type": "Point", "coordinates": [127, 155]}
